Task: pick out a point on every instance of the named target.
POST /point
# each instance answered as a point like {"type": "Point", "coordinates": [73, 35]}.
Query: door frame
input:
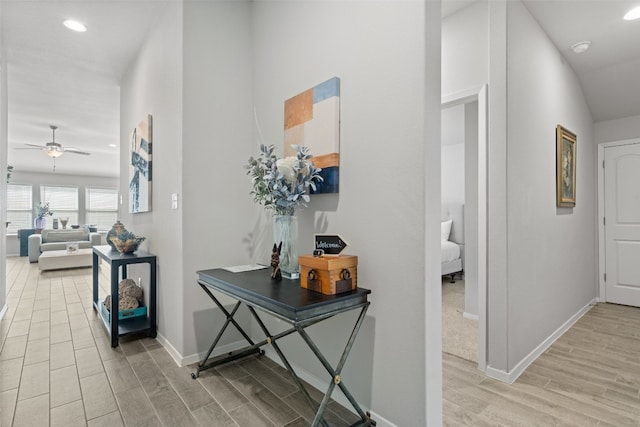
{"type": "Point", "coordinates": [480, 95]}
{"type": "Point", "coordinates": [602, 294]}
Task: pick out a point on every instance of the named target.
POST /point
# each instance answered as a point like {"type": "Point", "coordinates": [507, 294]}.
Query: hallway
{"type": "Point", "coordinates": [589, 377]}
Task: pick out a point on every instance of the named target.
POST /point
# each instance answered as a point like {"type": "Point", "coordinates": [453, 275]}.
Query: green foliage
{"type": "Point", "coordinates": [282, 185]}
{"type": "Point", "coordinates": [43, 210]}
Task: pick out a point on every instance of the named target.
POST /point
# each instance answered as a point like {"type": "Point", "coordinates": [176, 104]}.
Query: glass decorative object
{"type": "Point", "coordinates": [39, 223]}
{"type": "Point", "coordinates": [285, 230]}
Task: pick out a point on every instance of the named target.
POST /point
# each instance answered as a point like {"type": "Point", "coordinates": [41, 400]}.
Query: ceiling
{"type": "Point", "coordinates": [68, 79]}
{"type": "Point", "coordinates": [609, 71]}
{"type": "Point", "coordinates": [71, 80]}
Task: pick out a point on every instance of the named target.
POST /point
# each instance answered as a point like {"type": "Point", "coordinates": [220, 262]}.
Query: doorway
{"type": "Point", "coordinates": [619, 234]}
{"type": "Point", "coordinates": [474, 102]}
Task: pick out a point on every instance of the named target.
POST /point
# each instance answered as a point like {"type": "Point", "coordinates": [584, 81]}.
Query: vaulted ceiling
{"type": "Point", "coordinates": [609, 71]}
{"type": "Point", "coordinates": [72, 80]}
{"type": "Point", "coordinates": [68, 79]}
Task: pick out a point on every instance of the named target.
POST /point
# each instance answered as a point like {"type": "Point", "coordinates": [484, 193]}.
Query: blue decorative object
{"type": "Point", "coordinates": [127, 242]}
{"type": "Point", "coordinates": [116, 229]}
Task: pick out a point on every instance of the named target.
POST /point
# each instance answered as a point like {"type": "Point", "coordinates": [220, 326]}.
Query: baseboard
{"type": "Point", "coordinates": [313, 380]}
{"type": "Point", "coordinates": [380, 420]}
{"type": "Point", "coordinates": [510, 377]}
{"type": "Point", "coordinates": [498, 374]}
{"type": "Point", "coordinates": [197, 357]}
{"type": "Point", "coordinates": [304, 375]}
{"type": "Point", "coordinates": [175, 355]}
{"type": "Point", "coordinates": [470, 316]}
{"type": "Point", "coordinates": [321, 384]}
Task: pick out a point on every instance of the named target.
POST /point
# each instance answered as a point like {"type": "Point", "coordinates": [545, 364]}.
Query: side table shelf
{"type": "Point", "coordinates": [118, 263]}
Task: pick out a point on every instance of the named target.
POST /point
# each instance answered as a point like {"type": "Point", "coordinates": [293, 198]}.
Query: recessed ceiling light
{"type": "Point", "coordinates": [113, 145]}
{"type": "Point", "coordinates": [75, 25]}
{"type": "Point", "coordinates": [632, 14]}
{"type": "Point", "coordinates": [581, 46]}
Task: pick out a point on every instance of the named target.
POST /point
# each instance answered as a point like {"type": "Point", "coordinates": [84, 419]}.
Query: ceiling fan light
{"type": "Point", "coordinates": [75, 25]}
{"type": "Point", "coordinates": [632, 14]}
{"type": "Point", "coordinates": [54, 153]}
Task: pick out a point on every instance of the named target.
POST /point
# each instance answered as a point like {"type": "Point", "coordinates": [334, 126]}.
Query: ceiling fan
{"type": "Point", "coordinates": [54, 149]}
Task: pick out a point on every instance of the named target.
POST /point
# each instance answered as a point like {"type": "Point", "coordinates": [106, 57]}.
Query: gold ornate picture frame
{"type": "Point", "coordinates": [566, 156]}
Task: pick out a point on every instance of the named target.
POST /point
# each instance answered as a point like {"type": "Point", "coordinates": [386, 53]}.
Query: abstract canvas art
{"type": "Point", "coordinates": [140, 167]}
{"type": "Point", "coordinates": [312, 119]}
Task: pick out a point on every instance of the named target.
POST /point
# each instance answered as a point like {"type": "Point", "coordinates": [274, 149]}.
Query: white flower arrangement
{"type": "Point", "coordinates": [282, 185]}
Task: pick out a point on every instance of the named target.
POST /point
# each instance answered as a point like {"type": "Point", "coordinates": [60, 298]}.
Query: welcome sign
{"type": "Point", "coordinates": [329, 244]}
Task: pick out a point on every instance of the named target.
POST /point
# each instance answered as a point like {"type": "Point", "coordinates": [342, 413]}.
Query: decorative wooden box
{"type": "Point", "coordinates": [329, 275]}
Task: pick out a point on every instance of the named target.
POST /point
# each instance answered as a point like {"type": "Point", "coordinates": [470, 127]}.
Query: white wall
{"type": "Point", "coordinates": [471, 209]}
{"type": "Point", "coordinates": [465, 49]}
{"type": "Point", "coordinates": [551, 251]}
{"type": "Point", "coordinates": [3, 168]}
{"type": "Point", "coordinates": [617, 130]}
{"type": "Point", "coordinates": [220, 226]}
{"type": "Point", "coordinates": [432, 133]}
{"type": "Point", "coordinates": [153, 85]}
{"type": "Point", "coordinates": [453, 163]}
{"type": "Point", "coordinates": [380, 210]}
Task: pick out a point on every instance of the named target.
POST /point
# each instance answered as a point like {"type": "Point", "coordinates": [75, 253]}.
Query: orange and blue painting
{"type": "Point", "coordinates": [312, 119]}
{"type": "Point", "coordinates": [140, 167]}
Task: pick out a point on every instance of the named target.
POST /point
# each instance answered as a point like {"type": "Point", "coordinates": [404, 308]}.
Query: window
{"type": "Point", "coordinates": [63, 202]}
{"type": "Point", "coordinates": [102, 207]}
{"type": "Point", "coordinates": [19, 208]}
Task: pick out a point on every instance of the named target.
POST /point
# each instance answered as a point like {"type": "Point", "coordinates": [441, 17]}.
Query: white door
{"type": "Point", "coordinates": [622, 224]}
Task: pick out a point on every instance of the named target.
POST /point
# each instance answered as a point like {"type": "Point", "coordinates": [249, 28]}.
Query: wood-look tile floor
{"type": "Point", "coordinates": [589, 377]}
{"type": "Point", "coordinates": [57, 368]}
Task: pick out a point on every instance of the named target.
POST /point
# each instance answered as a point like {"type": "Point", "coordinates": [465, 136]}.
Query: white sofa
{"type": "Point", "coordinates": [55, 240]}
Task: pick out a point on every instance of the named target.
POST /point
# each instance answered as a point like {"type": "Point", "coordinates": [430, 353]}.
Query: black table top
{"type": "Point", "coordinates": [111, 255]}
{"type": "Point", "coordinates": [284, 297]}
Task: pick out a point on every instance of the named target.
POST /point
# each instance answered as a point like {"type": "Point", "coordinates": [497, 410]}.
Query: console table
{"type": "Point", "coordinates": [293, 304]}
{"type": "Point", "coordinates": [118, 263]}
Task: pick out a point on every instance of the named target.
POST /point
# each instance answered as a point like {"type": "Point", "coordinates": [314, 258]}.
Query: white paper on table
{"type": "Point", "coordinates": [246, 267]}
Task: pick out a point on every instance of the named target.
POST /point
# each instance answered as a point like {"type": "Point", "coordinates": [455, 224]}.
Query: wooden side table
{"type": "Point", "coordinates": [118, 263]}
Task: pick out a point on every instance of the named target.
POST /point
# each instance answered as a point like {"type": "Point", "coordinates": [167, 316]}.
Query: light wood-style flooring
{"type": "Point", "coordinates": [57, 368]}
{"type": "Point", "coordinates": [589, 377]}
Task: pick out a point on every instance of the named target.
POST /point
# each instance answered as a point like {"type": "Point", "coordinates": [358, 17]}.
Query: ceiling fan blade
{"type": "Point", "coordinates": [76, 151]}
{"type": "Point", "coordinates": [42, 147]}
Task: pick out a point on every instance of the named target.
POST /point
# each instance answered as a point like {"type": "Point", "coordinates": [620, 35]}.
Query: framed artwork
{"type": "Point", "coordinates": [140, 166]}
{"type": "Point", "coordinates": [566, 155]}
{"type": "Point", "coordinates": [312, 119]}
